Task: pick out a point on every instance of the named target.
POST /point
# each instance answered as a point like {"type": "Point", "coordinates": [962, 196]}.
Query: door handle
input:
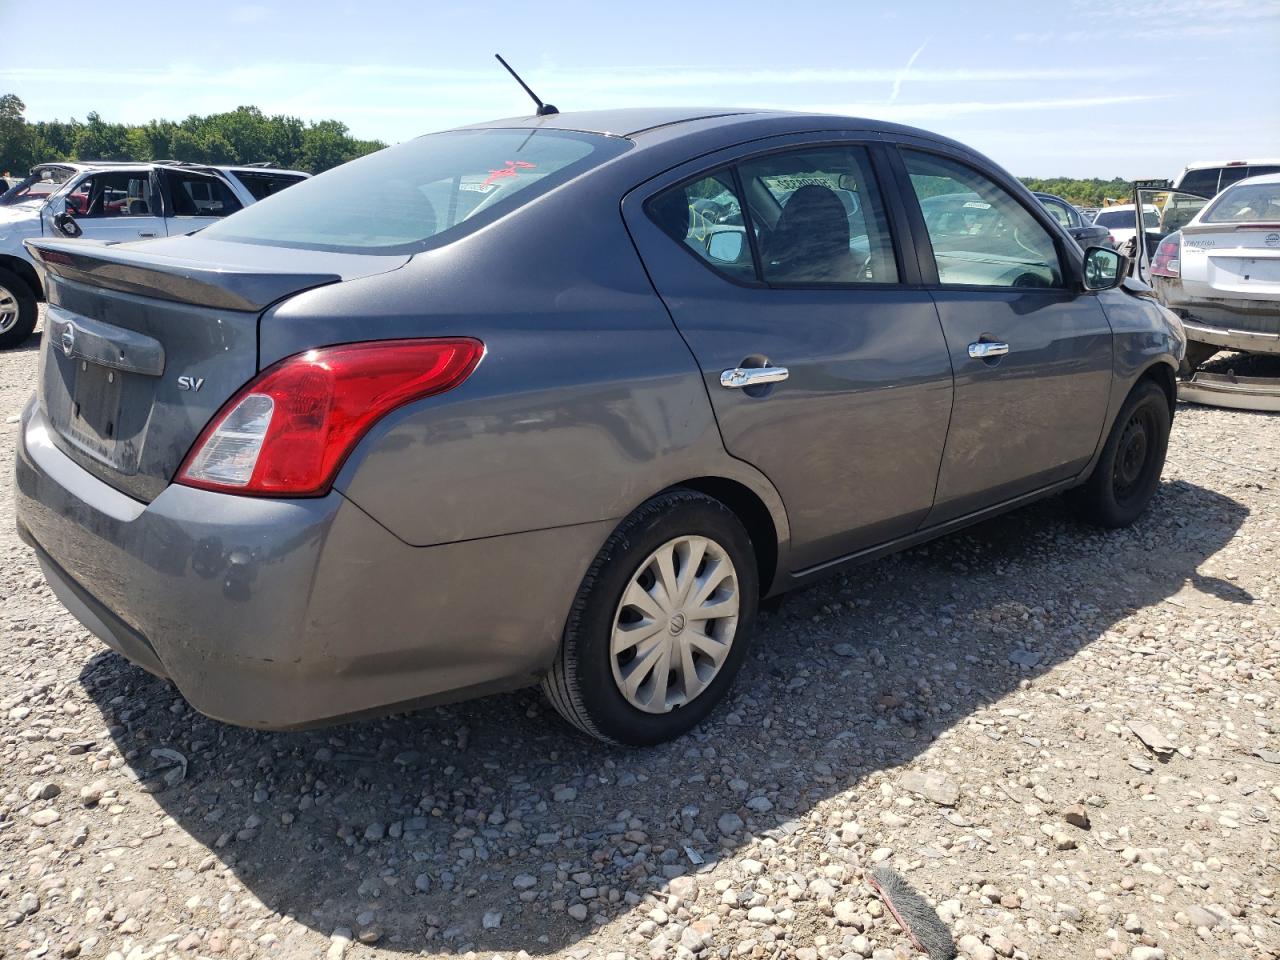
{"type": "Point", "coordinates": [145, 236]}
{"type": "Point", "coordinates": [986, 349]}
{"type": "Point", "coordinates": [740, 377]}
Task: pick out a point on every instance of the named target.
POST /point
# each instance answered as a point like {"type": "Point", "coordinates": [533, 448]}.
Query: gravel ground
{"type": "Point", "coordinates": [964, 712]}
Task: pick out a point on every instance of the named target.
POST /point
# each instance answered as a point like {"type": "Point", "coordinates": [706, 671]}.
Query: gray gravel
{"type": "Point", "coordinates": [1066, 739]}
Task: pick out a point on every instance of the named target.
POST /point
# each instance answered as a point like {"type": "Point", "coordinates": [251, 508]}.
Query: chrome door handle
{"type": "Point", "coordinates": [145, 236]}
{"type": "Point", "coordinates": [985, 349]}
{"type": "Point", "coordinates": [752, 376]}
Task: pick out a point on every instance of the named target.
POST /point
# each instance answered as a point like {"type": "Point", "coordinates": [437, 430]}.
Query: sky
{"type": "Point", "coordinates": [1069, 88]}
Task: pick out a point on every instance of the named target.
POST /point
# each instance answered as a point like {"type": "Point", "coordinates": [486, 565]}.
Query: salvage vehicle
{"type": "Point", "coordinates": [1120, 222]}
{"type": "Point", "coordinates": [1208, 178]}
{"type": "Point", "coordinates": [526, 419]}
{"type": "Point", "coordinates": [1221, 272]}
{"type": "Point", "coordinates": [114, 202]}
{"type": "Point", "coordinates": [1084, 232]}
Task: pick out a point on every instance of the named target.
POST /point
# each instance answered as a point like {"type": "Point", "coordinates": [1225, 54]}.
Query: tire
{"type": "Point", "coordinates": [17, 310]}
{"type": "Point", "coordinates": [1197, 354]}
{"type": "Point", "coordinates": [1128, 471]}
{"type": "Point", "coordinates": [585, 683]}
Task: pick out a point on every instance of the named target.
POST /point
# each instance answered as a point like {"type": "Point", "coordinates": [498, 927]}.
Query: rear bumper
{"type": "Point", "coordinates": [292, 613]}
{"type": "Point", "coordinates": [1252, 326]}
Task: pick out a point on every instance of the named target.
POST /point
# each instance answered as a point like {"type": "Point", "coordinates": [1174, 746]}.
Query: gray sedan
{"type": "Point", "coordinates": [560, 403]}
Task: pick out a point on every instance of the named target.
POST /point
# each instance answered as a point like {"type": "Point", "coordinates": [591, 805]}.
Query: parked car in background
{"type": "Point", "coordinates": [327, 457]}
{"type": "Point", "coordinates": [116, 203]}
{"type": "Point", "coordinates": [1221, 272]}
{"type": "Point", "coordinates": [1085, 233]}
{"type": "Point", "coordinates": [1122, 225]}
{"type": "Point", "coordinates": [1208, 178]}
{"type": "Point", "coordinates": [1088, 213]}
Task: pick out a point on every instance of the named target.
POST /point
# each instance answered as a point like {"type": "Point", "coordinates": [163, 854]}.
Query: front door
{"type": "Point", "coordinates": [826, 369]}
{"type": "Point", "coordinates": [1032, 352]}
{"type": "Point", "coordinates": [115, 206]}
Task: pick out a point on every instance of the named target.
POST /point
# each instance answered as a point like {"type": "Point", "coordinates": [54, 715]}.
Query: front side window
{"type": "Point", "coordinates": [200, 195]}
{"type": "Point", "coordinates": [1250, 202]}
{"type": "Point", "coordinates": [705, 216]}
{"type": "Point", "coordinates": [115, 194]}
{"type": "Point", "coordinates": [981, 235]}
{"type": "Point", "coordinates": [818, 217]}
{"type": "Point", "coordinates": [1059, 211]}
{"type": "Point", "coordinates": [421, 193]}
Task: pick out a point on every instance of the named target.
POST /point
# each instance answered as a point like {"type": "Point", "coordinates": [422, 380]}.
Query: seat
{"type": "Point", "coordinates": [138, 208]}
{"type": "Point", "coordinates": [810, 242]}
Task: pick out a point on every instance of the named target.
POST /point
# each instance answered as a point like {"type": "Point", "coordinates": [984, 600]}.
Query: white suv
{"type": "Point", "coordinates": [113, 203]}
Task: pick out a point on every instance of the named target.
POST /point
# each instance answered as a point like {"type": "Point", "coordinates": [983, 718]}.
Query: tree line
{"type": "Point", "coordinates": [247, 135]}
{"type": "Point", "coordinates": [243, 135]}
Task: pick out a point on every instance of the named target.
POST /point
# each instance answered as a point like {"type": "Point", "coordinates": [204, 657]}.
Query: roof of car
{"type": "Point", "coordinates": [1210, 164]}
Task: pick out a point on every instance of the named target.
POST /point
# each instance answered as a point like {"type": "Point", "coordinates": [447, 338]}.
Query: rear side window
{"type": "Point", "coordinates": [818, 217]}
{"type": "Point", "coordinates": [981, 235]}
{"type": "Point", "coordinates": [421, 193]}
{"type": "Point", "coordinates": [200, 195]}
{"type": "Point", "coordinates": [262, 185]}
{"type": "Point", "coordinates": [705, 216]}
{"type": "Point", "coordinates": [1202, 182]}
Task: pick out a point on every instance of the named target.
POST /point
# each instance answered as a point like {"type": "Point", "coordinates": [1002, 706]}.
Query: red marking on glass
{"type": "Point", "coordinates": [510, 170]}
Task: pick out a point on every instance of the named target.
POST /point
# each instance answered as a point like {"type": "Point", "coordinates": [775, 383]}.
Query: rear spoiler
{"type": "Point", "coordinates": [169, 278]}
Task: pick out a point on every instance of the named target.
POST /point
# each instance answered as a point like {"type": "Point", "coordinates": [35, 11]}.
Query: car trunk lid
{"type": "Point", "coordinates": [1233, 259]}
{"type": "Point", "coordinates": [145, 342]}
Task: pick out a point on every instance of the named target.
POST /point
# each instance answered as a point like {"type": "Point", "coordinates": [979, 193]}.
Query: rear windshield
{"type": "Point", "coordinates": [1248, 203]}
{"type": "Point", "coordinates": [1124, 218]}
{"type": "Point", "coordinates": [418, 194]}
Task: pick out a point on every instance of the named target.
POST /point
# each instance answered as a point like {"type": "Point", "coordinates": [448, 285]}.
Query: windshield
{"type": "Point", "coordinates": [42, 182]}
{"type": "Point", "coordinates": [418, 194]}
{"type": "Point", "coordinates": [1246, 204]}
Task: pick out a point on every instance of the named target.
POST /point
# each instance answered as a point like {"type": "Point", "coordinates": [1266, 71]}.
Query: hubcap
{"type": "Point", "coordinates": [8, 309]}
{"type": "Point", "coordinates": [675, 624]}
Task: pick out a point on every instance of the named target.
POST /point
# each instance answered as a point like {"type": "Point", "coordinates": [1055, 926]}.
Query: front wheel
{"type": "Point", "coordinates": [661, 623]}
{"type": "Point", "coordinates": [17, 310]}
{"type": "Point", "coordinates": [1128, 471]}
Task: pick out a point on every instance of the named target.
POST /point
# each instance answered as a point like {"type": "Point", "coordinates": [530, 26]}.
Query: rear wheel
{"type": "Point", "coordinates": [1128, 471]}
{"type": "Point", "coordinates": [17, 310]}
{"type": "Point", "coordinates": [661, 623]}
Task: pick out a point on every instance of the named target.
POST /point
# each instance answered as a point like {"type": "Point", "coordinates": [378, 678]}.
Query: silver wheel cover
{"type": "Point", "coordinates": [675, 624]}
{"type": "Point", "coordinates": [8, 309]}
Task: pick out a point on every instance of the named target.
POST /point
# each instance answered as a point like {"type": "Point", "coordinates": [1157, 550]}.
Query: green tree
{"type": "Point", "coordinates": [15, 139]}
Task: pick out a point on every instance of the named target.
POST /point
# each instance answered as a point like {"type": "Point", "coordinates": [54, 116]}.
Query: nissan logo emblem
{"type": "Point", "coordinates": [68, 341]}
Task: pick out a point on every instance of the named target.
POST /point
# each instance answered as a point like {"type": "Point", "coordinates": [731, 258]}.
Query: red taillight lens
{"type": "Point", "coordinates": [1166, 262]}
{"type": "Point", "coordinates": [288, 431]}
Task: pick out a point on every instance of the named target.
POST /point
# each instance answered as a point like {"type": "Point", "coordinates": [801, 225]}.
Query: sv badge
{"type": "Point", "coordinates": [190, 383]}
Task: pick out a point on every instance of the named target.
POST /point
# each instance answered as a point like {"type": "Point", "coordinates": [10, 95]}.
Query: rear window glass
{"type": "Point", "coordinates": [1203, 182]}
{"type": "Point", "coordinates": [1125, 220]}
{"type": "Point", "coordinates": [419, 194]}
{"type": "Point", "coordinates": [1249, 203]}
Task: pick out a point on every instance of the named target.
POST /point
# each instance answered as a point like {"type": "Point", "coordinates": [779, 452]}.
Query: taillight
{"type": "Point", "coordinates": [1166, 263]}
{"type": "Point", "coordinates": [288, 431]}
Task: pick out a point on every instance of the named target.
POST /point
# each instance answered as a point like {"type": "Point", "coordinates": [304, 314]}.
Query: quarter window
{"type": "Point", "coordinates": [818, 217]}
{"type": "Point", "coordinates": [981, 235]}
{"type": "Point", "coordinates": [705, 216]}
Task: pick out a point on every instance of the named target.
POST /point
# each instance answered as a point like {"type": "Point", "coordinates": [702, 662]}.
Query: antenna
{"type": "Point", "coordinates": [544, 109]}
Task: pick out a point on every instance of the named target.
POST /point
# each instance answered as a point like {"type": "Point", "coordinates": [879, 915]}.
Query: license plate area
{"type": "Point", "coordinates": [95, 407]}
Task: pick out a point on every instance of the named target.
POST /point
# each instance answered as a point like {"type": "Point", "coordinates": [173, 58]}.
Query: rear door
{"type": "Point", "coordinates": [822, 355]}
{"type": "Point", "coordinates": [1032, 354]}
{"type": "Point", "coordinates": [195, 199]}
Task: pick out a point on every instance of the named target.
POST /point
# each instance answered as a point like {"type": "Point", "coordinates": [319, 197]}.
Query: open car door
{"type": "Point", "coordinates": [1171, 210]}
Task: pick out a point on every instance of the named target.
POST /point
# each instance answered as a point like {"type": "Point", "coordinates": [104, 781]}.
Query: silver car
{"type": "Point", "coordinates": [560, 403]}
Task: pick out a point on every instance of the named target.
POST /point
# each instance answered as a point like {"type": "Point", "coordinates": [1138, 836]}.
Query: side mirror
{"type": "Point", "coordinates": [725, 246]}
{"type": "Point", "coordinates": [1104, 268]}
{"type": "Point", "coordinates": [65, 222]}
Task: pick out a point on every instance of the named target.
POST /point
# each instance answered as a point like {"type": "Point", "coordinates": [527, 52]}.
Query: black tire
{"type": "Point", "coordinates": [581, 685]}
{"type": "Point", "coordinates": [20, 328]}
{"type": "Point", "coordinates": [1128, 471]}
{"type": "Point", "coordinates": [1197, 354]}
